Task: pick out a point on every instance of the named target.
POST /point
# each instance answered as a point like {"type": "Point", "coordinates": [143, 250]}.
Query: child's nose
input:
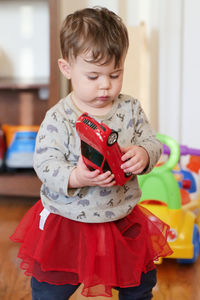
{"type": "Point", "coordinates": [105, 82]}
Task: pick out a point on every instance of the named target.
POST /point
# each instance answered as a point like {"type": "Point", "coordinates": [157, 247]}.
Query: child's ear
{"type": "Point", "coordinates": [64, 67]}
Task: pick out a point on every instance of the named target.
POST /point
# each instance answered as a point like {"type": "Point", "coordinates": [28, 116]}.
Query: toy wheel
{"type": "Point", "coordinates": [112, 138]}
{"type": "Point", "coordinates": [196, 244]}
{"type": "Point", "coordinates": [128, 174]}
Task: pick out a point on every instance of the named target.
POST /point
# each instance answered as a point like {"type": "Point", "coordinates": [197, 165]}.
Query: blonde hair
{"type": "Point", "coordinates": [98, 31]}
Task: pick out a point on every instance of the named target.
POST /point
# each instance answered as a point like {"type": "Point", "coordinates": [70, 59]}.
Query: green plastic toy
{"type": "Point", "coordinates": [160, 184]}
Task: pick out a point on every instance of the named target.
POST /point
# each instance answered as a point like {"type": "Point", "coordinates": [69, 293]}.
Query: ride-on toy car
{"type": "Point", "coordinates": [99, 147]}
{"type": "Point", "coordinates": [161, 195]}
{"type": "Point", "coordinates": [187, 174]}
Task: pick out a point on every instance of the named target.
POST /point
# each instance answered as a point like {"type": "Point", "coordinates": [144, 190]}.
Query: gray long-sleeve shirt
{"type": "Point", "coordinates": [57, 152]}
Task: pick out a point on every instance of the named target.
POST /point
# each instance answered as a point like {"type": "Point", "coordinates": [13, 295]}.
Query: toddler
{"type": "Point", "coordinates": [86, 229]}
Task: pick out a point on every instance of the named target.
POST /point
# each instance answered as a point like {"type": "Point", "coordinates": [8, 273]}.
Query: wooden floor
{"type": "Point", "coordinates": [175, 282]}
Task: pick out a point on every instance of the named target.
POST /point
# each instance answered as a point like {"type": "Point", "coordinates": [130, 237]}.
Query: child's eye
{"type": "Point", "coordinates": [114, 76]}
{"type": "Point", "coordinates": [92, 77]}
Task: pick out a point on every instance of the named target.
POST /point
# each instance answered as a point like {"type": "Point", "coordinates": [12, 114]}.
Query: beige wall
{"type": "Point", "coordinates": [135, 82]}
{"type": "Point", "coordinates": [67, 7]}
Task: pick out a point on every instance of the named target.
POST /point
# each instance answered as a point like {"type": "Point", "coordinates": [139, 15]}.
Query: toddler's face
{"type": "Point", "coordinates": [95, 86]}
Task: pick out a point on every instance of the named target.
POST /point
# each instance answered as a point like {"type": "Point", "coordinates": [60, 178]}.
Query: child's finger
{"type": "Point", "coordinates": [93, 174]}
{"type": "Point", "coordinates": [129, 154]}
{"type": "Point", "coordinates": [105, 176]}
{"type": "Point", "coordinates": [131, 162]}
{"type": "Point", "coordinates": [107, 182]}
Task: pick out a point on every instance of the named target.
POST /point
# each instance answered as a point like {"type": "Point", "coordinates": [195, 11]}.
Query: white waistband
{"type": "Point", "coordinates": [43, 217]}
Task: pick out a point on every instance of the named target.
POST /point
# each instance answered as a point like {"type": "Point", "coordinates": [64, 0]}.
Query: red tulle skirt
{"type": "Point", "coordinates": [100, 255]}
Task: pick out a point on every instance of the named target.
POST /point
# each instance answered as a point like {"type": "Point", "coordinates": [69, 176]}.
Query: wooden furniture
{"type": "Point", "coordinates": [54, 80]}
{"type": "Point", "coordinates": [19, 184]}
{"type": "Point", "coordinates": [20, 104]}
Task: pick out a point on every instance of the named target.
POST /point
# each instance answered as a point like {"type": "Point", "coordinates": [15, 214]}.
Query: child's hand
{"type": "Point", "coordinates": [81, 176]}
{"type": "Point", "coordinates": [135, 159]}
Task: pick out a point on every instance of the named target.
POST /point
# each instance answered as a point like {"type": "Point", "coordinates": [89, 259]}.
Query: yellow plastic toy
{"type": "Point", "coordinates": [161, 195]}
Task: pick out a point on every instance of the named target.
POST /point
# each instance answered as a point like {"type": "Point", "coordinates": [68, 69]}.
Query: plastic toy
{"type": "Point", "coordinates": [161, 195]}
{"type": "Point", "coordinates": [194, 164]}
{"type": "Point", "coordinates": [20, 144]}
{"type": "Point", "coordinates": [99, 147]}
{"type": "Point", "coordinates": [184, 176]}
{"type": "Point", "coordinates": [184, 150]}
{"type": "Point", "coordinates": [188, 177]}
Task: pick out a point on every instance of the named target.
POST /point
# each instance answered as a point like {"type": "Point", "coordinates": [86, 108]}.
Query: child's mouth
{"type": "Point", "coordinates": [103, 98]}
